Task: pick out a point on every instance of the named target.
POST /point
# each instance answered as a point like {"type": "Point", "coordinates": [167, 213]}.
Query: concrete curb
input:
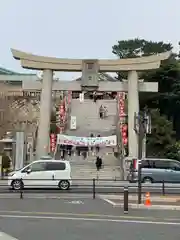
{"type": "Point", "coordinates": [135, 198]}
{"type": "Point", "coordinates": [153, 207]}
{"type": "Point", "coordinates": [142, 206]}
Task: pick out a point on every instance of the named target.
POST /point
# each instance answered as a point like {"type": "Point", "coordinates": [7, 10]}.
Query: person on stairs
{"type": "Point", "coordinates": [105, 112]}
{"type": "Point", "coordinates": [101, 111]}
{"type": "Point", "coordinates": [97, 146]}
{"type": "Point", "coordinates": [94, 96]}
{"type": "Point", "coordinates": [98, 163]}
{"type": "Point", "coordinates": [91, 135]}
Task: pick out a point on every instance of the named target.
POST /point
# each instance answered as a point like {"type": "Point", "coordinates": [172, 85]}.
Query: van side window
{"type": "Point", "coordinates": [174, 166]}
{"type": "Point", "coordinates": [146, 164]}
{"type": "Point", "coordinates": [161, 164]}
{"type": "Point", "coordinates": [53, 166]}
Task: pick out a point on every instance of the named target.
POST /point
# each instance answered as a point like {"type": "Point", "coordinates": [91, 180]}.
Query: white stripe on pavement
{"type": "Point", "coordinates": [131, 197]}
{"type": "Point", "coordinates": [142, 206]}
{"type": "Point", "coordinates": [5, 236]}
{"type": "Point", "coordinates": [89, 219]}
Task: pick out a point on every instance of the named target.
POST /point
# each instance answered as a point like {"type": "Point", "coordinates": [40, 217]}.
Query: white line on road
{"type": "Point", "coordinates": [90, 219]}
{"type": "Point", "coordinates": [5, 236]}
{"type": "Point", "coordinates": [109, 201]}
{"type": "Point", "coordinates": [142, 206]}
{"type": "Point", "coordinates": [135, 197]}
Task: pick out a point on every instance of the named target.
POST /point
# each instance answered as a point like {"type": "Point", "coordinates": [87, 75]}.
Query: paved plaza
{"type": "Point", "coordinates": [80, 217]}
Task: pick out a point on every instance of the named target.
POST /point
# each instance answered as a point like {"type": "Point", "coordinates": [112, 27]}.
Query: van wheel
{"type": "Point", "coordinates": [147, 180]}
{"type": "Point", "coordinates": [17, 184]}
{"type": "Point", "coordinates": [64, 185]}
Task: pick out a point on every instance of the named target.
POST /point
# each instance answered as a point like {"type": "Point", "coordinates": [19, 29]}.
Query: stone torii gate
{"type": "Point", "coordinates": [90, 69]}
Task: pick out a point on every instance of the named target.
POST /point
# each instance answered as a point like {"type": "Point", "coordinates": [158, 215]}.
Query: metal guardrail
{"type": "Point", "coordinates": [92, 186]}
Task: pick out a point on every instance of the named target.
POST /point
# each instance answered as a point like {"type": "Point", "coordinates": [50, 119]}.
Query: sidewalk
{"type": "Point", "coordinates": [3, 182]}
{"type": "Point", "coordinates": [157, 202]}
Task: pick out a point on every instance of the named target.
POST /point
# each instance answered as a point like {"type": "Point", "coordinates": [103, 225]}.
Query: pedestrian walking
{"type": "Point", "coordinates": [91, 137]}
{"type": "Point", "coordinates": [98, 163]}
{"type": "Point", "coordinates": [101, 110]}
{"type": "Point", "coordinates": [94, 96]}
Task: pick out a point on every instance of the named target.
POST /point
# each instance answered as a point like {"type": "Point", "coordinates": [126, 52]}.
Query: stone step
{"type": "Point", "coordinates": [93, 168]}
{"type": "Point", "coordinates": [88, 121]}
{"type": "Point", "coordinates": [78, 171]}
{"type": "Point", "coordinates": [83, 132]}
{"type": "Point", "coordinates": [94, 174]}
{"type": "Point", "coordinates": [101, 172]}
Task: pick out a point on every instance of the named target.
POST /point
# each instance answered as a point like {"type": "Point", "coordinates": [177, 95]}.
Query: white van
{"type": "Point", "coordinates": [42, 174]}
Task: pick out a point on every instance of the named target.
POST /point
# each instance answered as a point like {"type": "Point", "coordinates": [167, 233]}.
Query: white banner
{"type": "Point", "coordinates": [73, 123]}
{"type": "Point", "coordinates": [81, 97]}
{"type": "Point", "coordinates": [86, 141]}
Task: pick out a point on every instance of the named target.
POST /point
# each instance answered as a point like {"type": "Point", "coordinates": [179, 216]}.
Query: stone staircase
{"type": "Point", "coordinates": [88, 121]}
{"type": "Point", "coordinates": [88, 171]}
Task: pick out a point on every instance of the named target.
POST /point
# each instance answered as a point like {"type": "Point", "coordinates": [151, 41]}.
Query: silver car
{"type": "Point", "coordinates": [156, 170]}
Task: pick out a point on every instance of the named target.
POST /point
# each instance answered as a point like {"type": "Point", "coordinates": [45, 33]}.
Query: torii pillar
{"type": "Point", "coordinates": [50, 64]}
{"type": "Point", "coordinates": [133, 107]}
{"type": "Point", "coordinates": [42, 148]}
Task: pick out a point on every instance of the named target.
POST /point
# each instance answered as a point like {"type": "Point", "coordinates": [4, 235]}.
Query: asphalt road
{"type": "Point", "coordinates": [90, 219]}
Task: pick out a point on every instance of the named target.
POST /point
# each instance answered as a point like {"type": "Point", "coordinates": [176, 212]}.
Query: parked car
{"type": "Point", "coordinates": [154, 170]}
{"type": "Point", "coordinates": [42, 174]}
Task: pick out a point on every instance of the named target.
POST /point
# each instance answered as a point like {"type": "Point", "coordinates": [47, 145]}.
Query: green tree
{"type": "Point", "coordinates": [161, 139]}
{"type": "Point", "coordinates": [168, 97]}
{"type": "Point", "coordinates": [134, 48]}
{"type": "Point", "coordinates": [139, 47]}
{"type": "Point", "coordinates": [173, 152]}
{"type": "Point", "coordinates": [168, 79]}
{"type": "Point", "coordinates": [167, 100]}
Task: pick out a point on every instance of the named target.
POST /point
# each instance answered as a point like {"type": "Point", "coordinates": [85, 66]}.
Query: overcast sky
{"type": "Point", "coordinates": [82, 28]}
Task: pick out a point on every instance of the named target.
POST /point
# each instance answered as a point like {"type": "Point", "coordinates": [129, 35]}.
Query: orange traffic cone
{"type": "Point", "coordinates": [147, 200]}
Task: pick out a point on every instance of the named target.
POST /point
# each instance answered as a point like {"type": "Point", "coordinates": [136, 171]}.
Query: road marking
{"type": "Point", "coordinates": [109, 201]}
{"type": "Point", "coordinates": [142, 206]}
{"type": "Point", "coordinates": [69, 214]}
{"type": "Point", "coordinates": [153, 198]}
{"type": "Point", "coordinates": [77, 214]}
{"type": "Point", "coordinates": [75, 202]}
{"type": "Point", "coordinates": [90, 215]}
{"type": "Point", "coordinates": [5, 236]}
{"type": "Point", "coordinates": [91, 219]}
